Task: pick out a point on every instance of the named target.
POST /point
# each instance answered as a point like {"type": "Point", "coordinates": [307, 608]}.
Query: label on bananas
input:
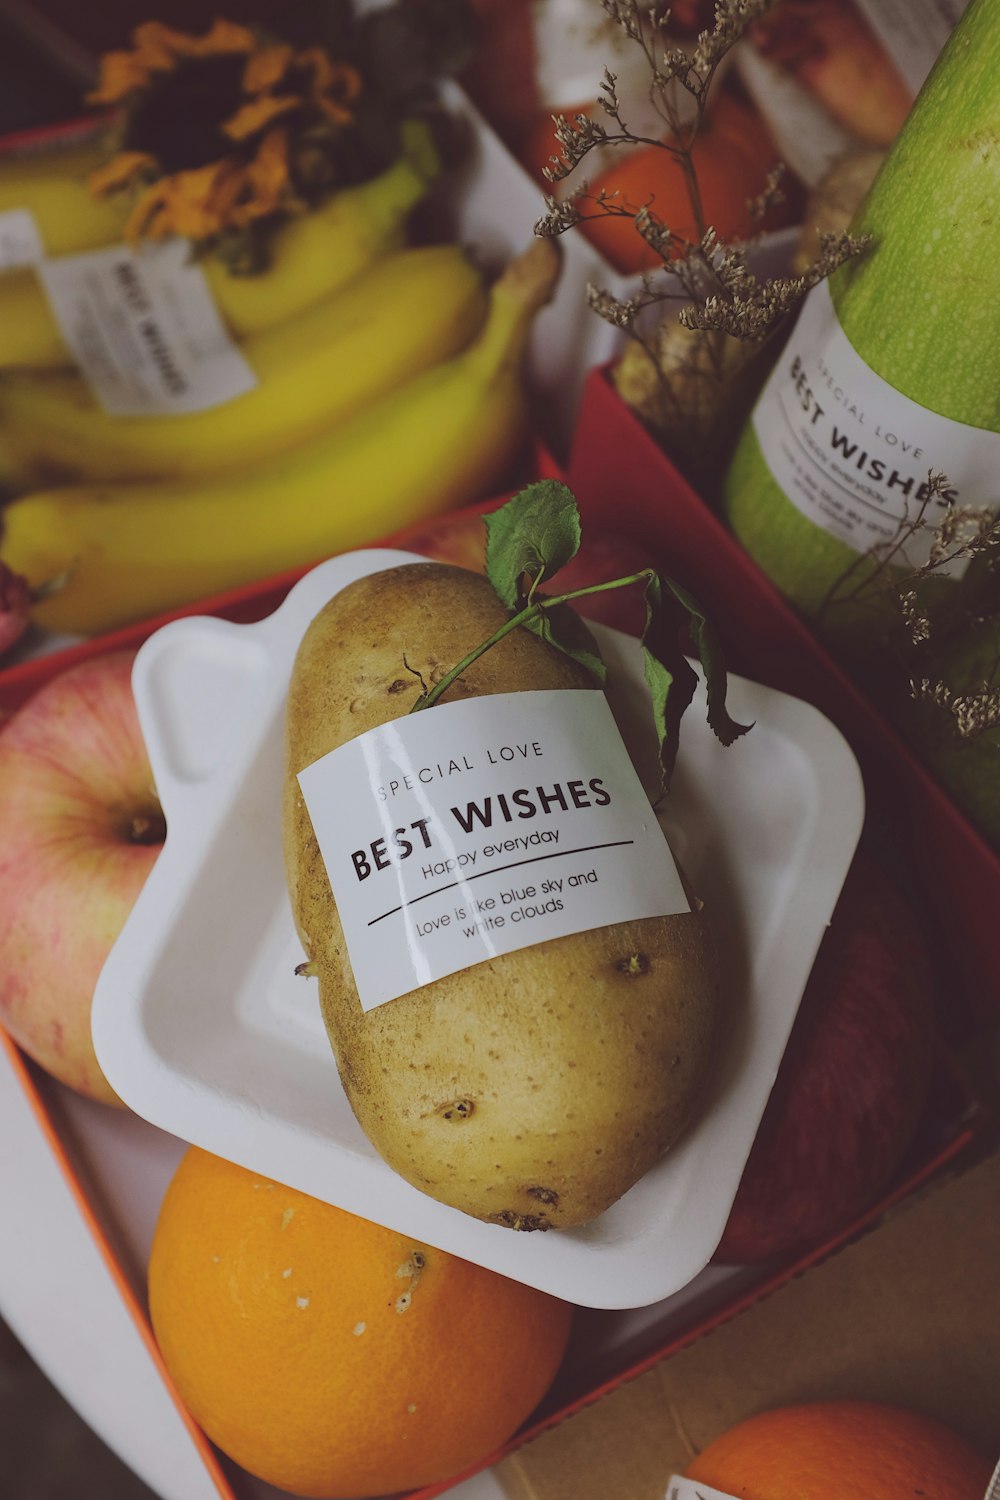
{"type": "Point", "coordinates": [144, 330]}
{"type": "Point", "coordinates": [479, 827]}
{"type": "Point", "coordinates": [20, 239]}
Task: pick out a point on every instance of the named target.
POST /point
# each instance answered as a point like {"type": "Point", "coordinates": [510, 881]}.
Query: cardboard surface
{"type": "Point", "coordinates": [909, 1314]}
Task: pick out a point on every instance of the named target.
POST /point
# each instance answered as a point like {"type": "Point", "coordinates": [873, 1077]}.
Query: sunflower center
{"type": "Point", "coordinates": [178, 119]}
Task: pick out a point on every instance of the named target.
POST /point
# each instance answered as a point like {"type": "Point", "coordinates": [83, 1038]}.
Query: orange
{"type": "Point", "coordinates": [731, 156]}
{"type": "Point", "coordinates": [842, 1450]}
{"type": "Point", "coordinates": [331, 1357]}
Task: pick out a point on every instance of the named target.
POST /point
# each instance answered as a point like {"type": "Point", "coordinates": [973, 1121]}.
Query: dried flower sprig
{"type": "Point", "coordinates": [971, 714]}
{"type": "Point", "coordinates": [949, 534]}
{"type": "Point", "coordinates": [922, 613]}
{"type": "Point", "coordinates": [749, 308]}
{"type": "Point", "coordinates": [680, 82]}
{"type": "Point", "coordinates": [676, 372]}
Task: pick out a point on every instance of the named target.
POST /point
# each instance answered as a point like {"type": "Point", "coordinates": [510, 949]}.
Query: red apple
{"type": "Point", "coordinates": [15, 604]}
{"type": "Point", "coordinates": [457, 537]}
{"type": "Point", "coordinates": [852, 1083]}
{"type": "Point", "coordinates": [460, 538]}
{"type": "Point", "coordinates": [82, 827]}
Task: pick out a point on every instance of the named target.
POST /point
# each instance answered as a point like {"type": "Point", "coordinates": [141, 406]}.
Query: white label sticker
{"type": "Point", "coordinates": [912, 32]}
{"type": "Point", "coordinates": [20, 239]}
{"type": "Point", "coordinates": [852, 453]}
{"type": "Point", "coordinates": [680, 1488]}
{"type": "Point", "coordinates": [480, 827]}
{"type": "Point", "coordinates": [573, 42]}
{"type": "Point", "coordinates": [144, 329]}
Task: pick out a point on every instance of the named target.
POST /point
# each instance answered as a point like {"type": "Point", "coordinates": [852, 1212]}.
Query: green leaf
{"type": "Point", "coordinates": [563, 628]}
{"type": "Point", "coordinates": [670, 678]}
{"type": "Point", "coordinates": [670, 693]}
{"type": "Point", "coordinates": [713, 663]}
{"type": "Point", "coordinates": [535, 533]}
{"type": "Point", "coordinates": [671, 615]}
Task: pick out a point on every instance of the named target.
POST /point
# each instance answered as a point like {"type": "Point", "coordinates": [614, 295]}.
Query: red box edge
{"type": "Point", "coordinates": [95, 1227]}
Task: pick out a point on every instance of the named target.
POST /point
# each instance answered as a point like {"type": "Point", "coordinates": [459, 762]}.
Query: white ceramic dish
{"type": "Point", "coordinates": [203, 1028]}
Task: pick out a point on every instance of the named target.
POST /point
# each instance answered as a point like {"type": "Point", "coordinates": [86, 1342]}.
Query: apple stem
{"type": "Point", "coordinates": [147, 828]}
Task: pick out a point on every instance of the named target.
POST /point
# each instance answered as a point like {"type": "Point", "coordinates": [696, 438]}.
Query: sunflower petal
{"type": "Point", "coordinates": [266, 68]}
{"type": "Point", "coordinates": [318, 62]}
{"type": "Point", "coordinates": [223, 37]}
{"type": "Point", "coordinates": [337, 114]}
{"type": "Point", "coordinates": [268, 173]}
{"type": "Point", "coordinates": [253, 116]}
{"type": "Point", "coordinates": [159, 46]}
{"type": "Point", "coordinates": [119, 172]}
{"type": "Point", "coordinates": [122, 74]}
{"type": "Point", "coordinates": [140, 222]}
{"type": "Point", "coordinates": [225, 196]}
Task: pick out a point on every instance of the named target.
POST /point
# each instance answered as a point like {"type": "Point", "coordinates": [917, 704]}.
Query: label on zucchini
{"type": "Point", "coordinates": [680, 1488]}
{"type": "Point", "coordinates": [479, 827]}
{"type": "Point", "coordinates": [20, 239]}
{"type": "Point", "coordinates": [854, 455]}
{"type": "Point", "coordinates": [144, 330]}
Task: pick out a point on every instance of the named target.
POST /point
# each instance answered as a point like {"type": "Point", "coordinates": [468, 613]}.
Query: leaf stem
{"type": "Point", "coordinates": [536, 606]}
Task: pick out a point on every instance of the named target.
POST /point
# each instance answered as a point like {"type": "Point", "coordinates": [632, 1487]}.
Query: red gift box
{"type": "Point", "coordinates": [607, 1348]}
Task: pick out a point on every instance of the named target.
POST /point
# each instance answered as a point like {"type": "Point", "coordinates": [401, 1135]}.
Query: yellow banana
{"type": "Point", "coordinates": [411, 309]}
{"type": "Point", "coordinates": [441, 440]}
{"type": "Point", "coordinates": [52, 185]}
{"type": "Point", "coordinates": [312, 255]}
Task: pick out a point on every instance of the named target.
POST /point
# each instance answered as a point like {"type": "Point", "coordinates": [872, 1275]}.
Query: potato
{"type": "Point", "coordinates": [533, 1089]}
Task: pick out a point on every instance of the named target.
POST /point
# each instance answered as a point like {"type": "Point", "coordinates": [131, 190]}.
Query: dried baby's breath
{"type": "Point", "coordinates": [972, 714]}
{"type": "Point", "coordinates": [916, 620]}
{"type": "Point", "coordinates": [966, 531]}
{"type": "Point", "coordinates": [950, 534]}
{"type": "Point", "coordinates": [748, 307]}
{"type": "Point", "coordinates": [926, 611]}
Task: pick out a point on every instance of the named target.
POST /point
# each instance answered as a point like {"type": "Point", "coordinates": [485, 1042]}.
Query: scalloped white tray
{"type": "Point", "coordinates": [204, 1030]}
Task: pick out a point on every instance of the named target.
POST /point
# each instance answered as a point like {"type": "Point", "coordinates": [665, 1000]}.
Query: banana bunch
{"type": "Point", "coordinates": [52, 186]}
{"type": "Point", "coordinates": [313, 253]}
{"type": "Point", "coordinates": [126, 549]}
{"type": "Point", "coordinates": [410, 309]}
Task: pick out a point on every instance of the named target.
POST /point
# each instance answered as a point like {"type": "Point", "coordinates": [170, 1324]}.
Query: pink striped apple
{"type": "Point", "coordinates": [80, 828]}
{"type": "Point", "coordinates": [15, 604]}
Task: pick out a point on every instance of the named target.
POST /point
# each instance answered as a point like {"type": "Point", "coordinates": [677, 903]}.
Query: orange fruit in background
{"type": "Point", "coordinates": [843, 1450]}
{"type": "Point", "coordinates": [329, 1356]}
{"type": "Point", "coordinates": [732, 156]}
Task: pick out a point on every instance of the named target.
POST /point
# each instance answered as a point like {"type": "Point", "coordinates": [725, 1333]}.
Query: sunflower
{"type": "Point", "coordinates": [211, 126]}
